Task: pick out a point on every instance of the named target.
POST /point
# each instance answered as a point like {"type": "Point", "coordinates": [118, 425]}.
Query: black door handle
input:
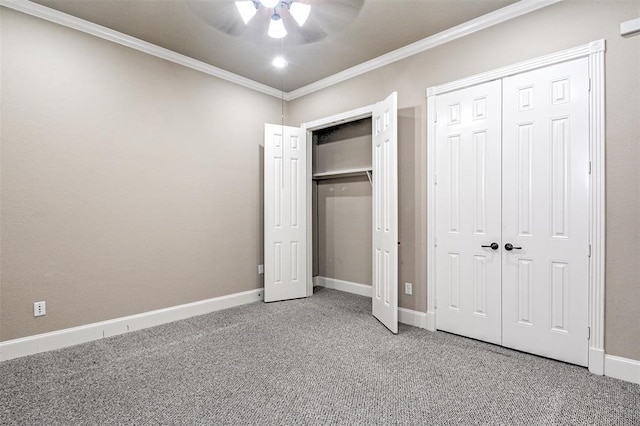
{"type": "Point", "coordinates": [493, 246]}
{"type": "Point", "coordinates": [510, 247]}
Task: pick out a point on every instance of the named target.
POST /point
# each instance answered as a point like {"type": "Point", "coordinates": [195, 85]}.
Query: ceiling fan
{"type": "Point", "coordinates": [299, 12]}
{"type": "Point", "coordinates": [324, 17]}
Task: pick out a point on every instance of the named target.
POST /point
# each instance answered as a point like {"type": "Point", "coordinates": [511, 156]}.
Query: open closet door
{"type": "Point", "coordinates": [385, 212]}
{"type": "Point", "coordinates": [285, 213]}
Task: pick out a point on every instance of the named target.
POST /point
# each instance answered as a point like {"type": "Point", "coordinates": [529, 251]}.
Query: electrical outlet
{"type": "Point", "coordinates": [260, 269]}
{"type": "Point", "coordinates": [408, 288]}
{"type": "Point", "coordinates": [39, 309]}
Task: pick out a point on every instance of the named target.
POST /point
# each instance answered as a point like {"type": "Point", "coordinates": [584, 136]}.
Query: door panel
{"type": "Point", "coordinates": [285, 213]}
{"type": "Point", "coordinates": [468, 215]}
{"type": "Point", "coordinates": [545, 202]}
{"type": "Point", "coordinates": [385, 212]}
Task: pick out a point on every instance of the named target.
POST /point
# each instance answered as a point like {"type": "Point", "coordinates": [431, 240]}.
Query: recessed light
{"type": "Point", "coordinates": [279, 62]}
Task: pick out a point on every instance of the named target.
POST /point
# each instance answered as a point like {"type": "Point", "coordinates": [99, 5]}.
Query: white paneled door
{"type": "Point", "coordinates": [287, 204]}
{"type": "Point", "coordinates": [285, 213]}
{"type": "Point", "coordinates": [513, 174]}
{"type": "Point", "coordinates": [468, 259]}
{"type": "Point", "coordinates": [545, 208]}
{"type": "Point", "coordinates": [385, 212]}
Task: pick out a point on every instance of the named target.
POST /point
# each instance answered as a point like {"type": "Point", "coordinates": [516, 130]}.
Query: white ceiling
{"type": "Point", "coordinates": [338, 35]}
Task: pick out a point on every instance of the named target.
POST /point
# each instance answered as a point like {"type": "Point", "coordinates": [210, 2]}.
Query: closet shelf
{"type": "Point", "coordinates": [342, 173]}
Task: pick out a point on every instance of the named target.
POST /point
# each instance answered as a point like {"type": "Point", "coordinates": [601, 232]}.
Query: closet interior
{"type": "Point", "coordinates": [342, 202]}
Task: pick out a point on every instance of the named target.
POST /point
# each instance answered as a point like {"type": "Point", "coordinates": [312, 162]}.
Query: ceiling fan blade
{"type": "Point", "coordinates": [326, 16]}
{"type": "Point", "coordinates": [334, 15]}
{"type": "Point", "coordinates": [223, 16]}
{"type": "Point", "coordinates": [308, 34]}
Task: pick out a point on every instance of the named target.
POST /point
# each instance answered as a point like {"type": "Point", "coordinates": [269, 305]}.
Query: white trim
{"type": "Point", "coordinates": [496, 17]}
{"type": "Point", "coordinates": [596, 361]}
{"type": "Point", "coordinates": [411, 317]}
{"type": "Point", "coordinates": [490, 19]}
{"type": "Point", "coordinates": [346, 286]}
{"type": "Point", "coordinates": [431, 210]}
{"type": "Point", "coordinates": [86, 333]}
{"type": "Point", "coordinates": [597, 200]}
{"type": "Point", "coordinates": [431, 321]}
{"type": "Point", "coordinates": [105, 33]}
{"type": "Point", "coordinates": [622, 368]}
{"type": "Point", "coordinates": [594, 51]}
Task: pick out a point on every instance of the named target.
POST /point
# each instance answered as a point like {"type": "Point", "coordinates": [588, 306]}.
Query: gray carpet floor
{"type": "Point", "coordinates": [321, 360]}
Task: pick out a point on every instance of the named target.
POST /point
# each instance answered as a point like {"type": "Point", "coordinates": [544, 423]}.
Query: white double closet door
{"type": "Point", "coordinates": [512, 202]}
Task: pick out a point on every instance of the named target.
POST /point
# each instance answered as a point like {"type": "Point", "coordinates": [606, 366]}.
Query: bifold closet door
{"type": "Point", "coordinates": [285, 213]}
{"type": "Point", "coordinates": [545, 211]}
{"type": "Point", "coordinates": [468, 214]}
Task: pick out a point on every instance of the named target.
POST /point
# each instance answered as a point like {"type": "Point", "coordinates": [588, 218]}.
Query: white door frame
{"type": "Point", "coordinates": [384, 136]}
{"type": "Point", "coordinates": [310, 127]}
{"type": "Point", "coordinates": [594, 51]}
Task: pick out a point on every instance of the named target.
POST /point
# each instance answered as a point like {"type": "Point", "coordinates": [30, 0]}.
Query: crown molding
{"type": "Point", "coordinates": [512, 11]}
{"type": "Point", "coordinates": [490, 19]}
{"type": "Point", "coordinates": [597, 46]}
{"type": "Point", "coordinates": [105, 33]}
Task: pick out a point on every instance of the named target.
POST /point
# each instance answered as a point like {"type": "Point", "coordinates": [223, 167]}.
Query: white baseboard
{"type": "Point", "coordinates": [405, 316]}
{"type": "Point", "coordinates": [411, 317]}
{"type": "Point", "coordinates": [346, 286]}
{"type": "Point", "coordinates": [73, 336]}
{"type": "Point", "coordinates": [622, 368]}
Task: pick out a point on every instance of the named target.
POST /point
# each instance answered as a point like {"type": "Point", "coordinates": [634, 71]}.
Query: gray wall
{"type": "Point", "coordinates": [561, 26]}
{"type": "Point", "coordinates": [128, 183]}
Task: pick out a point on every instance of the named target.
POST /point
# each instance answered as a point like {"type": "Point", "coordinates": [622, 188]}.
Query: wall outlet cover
{"type": "Point", "coordinates": [260, 269]}
{"type": "Point", "coordinates": [39, 309]}
{"type": "Point", "coordinates": [408, 288]}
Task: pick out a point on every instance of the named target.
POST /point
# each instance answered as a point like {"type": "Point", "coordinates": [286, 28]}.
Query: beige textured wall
{"type": "Point", "coordinates": [561, 26]}
{"type": "Point", "coordinates": [128, 183]}
{"type": "Point", "coordinates": [344, 229]}
{"type": "Point", "coordinates": [343, 147]}
{"type": "Point", "coordinates": [343, 209]}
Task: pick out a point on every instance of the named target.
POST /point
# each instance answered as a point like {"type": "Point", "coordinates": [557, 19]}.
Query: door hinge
{"type": "Point", "coordinates": [435, 117]}
{"type": "Point", "coordinates": [589, 250]}
{"type": "Point", "coordinates": [589, 167]}
{"type": "Point", "coordinates": [588, 333]}
{"type": "Point", "coordinates": [589, 85]}
{"type": "Point", "coordinates": [435, 241]}
{"type": "Point", "coordinates": [435, 179]}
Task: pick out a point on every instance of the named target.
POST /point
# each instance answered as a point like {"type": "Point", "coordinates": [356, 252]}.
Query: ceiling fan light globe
{"type": "Point", "coordinates": [276, 28]}
{"type": "Point", "coordinates": [247, 10]}
{"type": "Point", "coordinates": [270, 3]}
{"type": "Point", "coordinates": [300, 12]}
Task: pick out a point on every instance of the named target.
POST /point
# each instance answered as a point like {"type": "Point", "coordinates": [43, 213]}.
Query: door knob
{"type": "Point", "coordinates": [510, 247]}
{"type": "Point", "coordinates": [493, 246]}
